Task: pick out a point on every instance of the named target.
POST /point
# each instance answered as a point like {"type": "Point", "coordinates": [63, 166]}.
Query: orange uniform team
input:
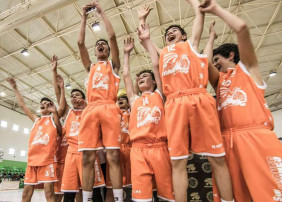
{"type": "Point", "coordinates": [147, 134]}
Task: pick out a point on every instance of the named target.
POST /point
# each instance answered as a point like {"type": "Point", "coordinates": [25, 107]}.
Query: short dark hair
{"type": "Point", "coordinates": [45, 99]}
{"type": "Point", "coordinates": [142, 72]}
{"type": "Point", "coordinates": [225, 50]}
{"type": "Point", "coordinates": [123, 96]}
{"type": "Point", "coordinates": [178, 27]}
{"type": "Point", "coordinates": [80, 91]}
{"type": "Point", "coordinates": [105, 42]}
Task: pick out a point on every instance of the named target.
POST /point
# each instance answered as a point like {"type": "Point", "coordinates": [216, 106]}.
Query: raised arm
{"type": "Point", "coordinates": [246, 48]}
{"type": "Point", "coordinates": [128, 46]}
{"type": "Point", "coordinates": [112, 37]}
{"type": "Point", "coordinates": [198, 25]}
{"type": "Point", "coordinates": [81, 40]}
{"type": "Point", "coordinates": [54, 61]}
{"type": "Point", "coordinates": [143, 13]}
{"type": "Point", "coordinates": [213, 71]}
{"type": "Point", "coordinates": [63, 106]}
{"type": "Point", "coordinates": [144, 36]}
{"type": "Point", "coordinates": [52, 109]}
{"type": "Point", "coordinates": [21, 102]}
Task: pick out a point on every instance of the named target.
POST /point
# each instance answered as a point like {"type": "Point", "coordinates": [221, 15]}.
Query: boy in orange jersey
{"type": "Point", "coordinates": [72, 174]}
{"type": "Point", "coordinates": [191, 117]}
{"type": "Point", "coordinates": [41, 165]}
{"type": "Point", "coordinates": [149, 154]}
{"type": "Point", "coordinates": [125, 146]}
{"type": "Point", "coordinates": [253, 152]}
{"type": "Point", "coordinates": [100, 123]}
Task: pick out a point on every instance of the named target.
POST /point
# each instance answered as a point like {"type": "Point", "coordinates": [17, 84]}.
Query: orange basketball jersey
{"type": "Point", "coordinates": [124, 125]}
{"type": "Point", "coordinates": [147, 122]}
{"type": "Point", "coordinates": [102, 82]}
{"type": "Point", "coordinates": [239, 96]}
{"type": "Point", "coordinates": [42, 142]}
{"type": "Point", "coordinates": [71, 128]}
{"type": "Point", "coordinates": [181, 67]}
{"type": "Point", "coordinates": [62, 148]}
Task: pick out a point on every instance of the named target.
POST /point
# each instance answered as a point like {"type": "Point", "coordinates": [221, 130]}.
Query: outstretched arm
{"type": "Point", "coordinates": [128, 46]}
{"type": "Point", "coordinates": [246, 48]}
{"type": "Point", "coordinates": [198, 25]}
{"type": "Point", "coordinates": [213, 71]}
{"type": "Point", "coordinates": [144, 36]}
{"type": "Point", "coordinates": [143, 13]}
{"type": "Point", "coordinates": [54, 61]}
{"type": "Point", "coordinates": [21, 102]}
{"type": "Point", "coordinates": [52, 109]}
{"type": "Point", "coordinates": [63, 106]}
{"type": "Point", "coordinates": [112, 37]}
{"type": "Point", "coordinates": [81, 40]}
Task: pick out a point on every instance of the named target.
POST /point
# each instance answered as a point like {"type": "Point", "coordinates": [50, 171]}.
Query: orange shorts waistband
{"type": "Point", "coordinates": [100, 102]}
{"type": "Point", "coordinates": [244, 128]}
{"type": "Point", "coordinates": [184, 92]}
{"type": "Point", "coordinates": [147, 144]}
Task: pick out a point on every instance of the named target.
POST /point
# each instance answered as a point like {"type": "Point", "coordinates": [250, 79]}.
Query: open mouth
{"type": "Point", "coordinates": [141, 82]}
{"type": "Point", "coordinates": [171, 38]}
{"type": "Point", "coordinates": [42, 107]}
{"type": "Point", "coordinates": [100, 49]}
{"type": "Point", "coordinates": [120, 103]}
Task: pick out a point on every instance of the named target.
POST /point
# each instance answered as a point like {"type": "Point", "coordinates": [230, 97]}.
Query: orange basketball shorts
{"type": "Point", "coordinates": [254, 158]}
{"type": "Point", "coordinates": [58, 184]}
{"type": "Point", "coordinates": [72, 176]}
{"type": "Point", "coordinates": [125, 166]}
{"type": "Point", "coordinates": [100, 126]}
{"type": "Point", "coordinates": [40, 174]}
{"type": "Point", "coordinates": [150, 161]}
{"type": "Point", "coordinates": [192, 124]}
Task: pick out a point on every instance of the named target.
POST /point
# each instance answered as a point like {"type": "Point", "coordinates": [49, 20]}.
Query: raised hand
{"type": "Point", "coordinates": [54, 62]}
{"type": "Point", "coordinates": [97, 6]}
{"type": "Point", "coordinates": [208, 6]}
{"type": "Point", "coordinates": [60, 81]}
{"type": "Point", "coordinates": [128, 44]}
{"type": "Point", "coordinates": [144, 32]}
{"type": "Point", "coordinates": [144, 11]}
{"type": "Point", "coordinates": [13, 83]}
{"type": "Point", "coordinates": [84, 11]}
{"type": "Point", "coordinates": [80, 102]}
{"type": "Point", "coordinates": [212, 30]}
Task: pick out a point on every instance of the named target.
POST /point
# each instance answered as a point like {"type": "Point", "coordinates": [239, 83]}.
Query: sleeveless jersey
{"type": "Point", "coordinates": [102, 83]}
{"type": "Point", "coordinates": [181, 67]}
{"type": "Point", "coordinates": [71, 128]}
{"type": "Point", "coordinates": [147, 122]}
{"type": "Point", "coordinates": [240, 101]}
{"type": "Point", "coordinates": [42, 142]}
{"type": "Point", "coordinates": [124, 125]}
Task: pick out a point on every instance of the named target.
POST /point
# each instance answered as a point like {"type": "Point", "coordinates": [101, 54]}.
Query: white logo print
{"type": "Point", "coordinates": [74, 128]}
{"type": "Point", "coordinates": [64, 142]}
{"type": "Point", "coordinates": [50, 171]}
{"type": "Point", "coordinates": [40, 138]}
{"type": "Point", "coordinates": [147, 115]}
{"type": "Point", "coordinates": [124, 126]}
{"type": "Point", "coordinates": [236, 97]}
{"type": "Point", "coordinates": [100, 81]}
{"type": "Point", "coordinates": [173, 64]}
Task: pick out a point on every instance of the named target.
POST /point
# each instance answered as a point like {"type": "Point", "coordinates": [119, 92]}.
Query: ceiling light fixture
{"type": "Point", "coordinates": [3, 94]}
{"type": "Point", "coordinates": [25, 52]}
{"type": "Point", "coordinates": [272, 73]}
{"type": "Point", "coordinates": [68, 86]}
{"type": "Point", "coordinates": [96, 26]}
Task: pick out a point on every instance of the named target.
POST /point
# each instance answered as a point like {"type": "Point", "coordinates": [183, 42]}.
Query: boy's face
{"type": "Point", "coordinates": [221, 63]}
{"type": "Point", "coordinates": [75, 95]}
{"type": "Point", "coordinates": [122, 103]}
{"type": "Point", "coordinates": [102, 49]}
{"type": "Point", "coordinates": [43, 107]}
{"type": "Point", "coordinates": [174, 35]}
{"type": "Point", "coordinates": [145, 82]}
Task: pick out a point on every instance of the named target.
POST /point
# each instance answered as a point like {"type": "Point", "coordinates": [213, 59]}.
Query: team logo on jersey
{"type": "Point", "coordinates": [235, 97]}
{"type": "Point", "coordinates": [74, 128]}
{"type": "Point", "coordinates": [124, 126]}
{"type": "Point", "coordinates": [146, 115]}
{"type": "Point", "coordinates": [64, 142]}
{"type": "Point", "coordinates": [40, 138]}
{"type": "Point", "coordinates": [100, 81]}
{"type": "Point", "coordinates": [172, 64]}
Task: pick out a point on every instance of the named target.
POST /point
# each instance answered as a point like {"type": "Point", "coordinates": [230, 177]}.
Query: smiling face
{"type": "Point", "coordinates": [123, 103]}
{"type": "Point", "coordinates": [43, 107]}
{"type": "Point", "coordinates": [222, 63]}
{"type": "Point", "coordinates": [174, 35]}
{"type": "Point", "coordinates": [146, 82]}
{"type": "Point", "coordinates": [102, 50]}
